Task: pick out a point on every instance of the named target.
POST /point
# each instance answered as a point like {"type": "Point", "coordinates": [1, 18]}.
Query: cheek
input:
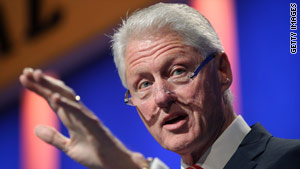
{"type": "Point", "coordinates": [148, 113]}
{"type": "Point", "coordinates": [192, 94]}
{"type": "Point", "coordinates": [149, 119]}
{"type": "Point", "coordinates": [203, 98]}
{"type": "Point", "coordinates": [203, 92]}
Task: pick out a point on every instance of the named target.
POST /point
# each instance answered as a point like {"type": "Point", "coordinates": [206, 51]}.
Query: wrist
{"type": "Point", "coordinates": [140, 160]}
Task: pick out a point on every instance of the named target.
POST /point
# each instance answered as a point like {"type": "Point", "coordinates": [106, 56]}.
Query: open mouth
{"type": "Point", "coordinates": [175, 119]}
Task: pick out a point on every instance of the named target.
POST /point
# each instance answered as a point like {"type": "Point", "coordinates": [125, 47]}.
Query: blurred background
{"type": "Point", "coordinates": [70, 40]}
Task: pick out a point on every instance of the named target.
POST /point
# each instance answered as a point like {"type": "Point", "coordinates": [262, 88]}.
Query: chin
{"type": "Point", "coordinates": [179, 144]}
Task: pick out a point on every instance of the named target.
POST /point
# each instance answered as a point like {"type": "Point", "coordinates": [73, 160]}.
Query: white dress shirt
{"type": "Point", "coordinates": [217, 156]}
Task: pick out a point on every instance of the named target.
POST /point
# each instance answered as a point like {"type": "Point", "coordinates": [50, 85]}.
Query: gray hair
{"type": "Point", "coordinates": [192, 26]}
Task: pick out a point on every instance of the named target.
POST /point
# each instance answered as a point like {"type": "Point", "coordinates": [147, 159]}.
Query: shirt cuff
{"type": "Point", "coordinates": [158, 164]}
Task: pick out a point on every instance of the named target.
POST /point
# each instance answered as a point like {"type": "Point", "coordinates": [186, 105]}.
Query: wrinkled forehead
{"type": "Point", "coordinates": [150, 47]}
{"type": "Point", "coordinates": [157, 53]}
{"type": "Point", "coordinates": [141, 44]}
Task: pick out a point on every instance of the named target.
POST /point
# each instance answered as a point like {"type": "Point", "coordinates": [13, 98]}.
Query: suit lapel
{"type": "Point", "coordinates": [252, 146]}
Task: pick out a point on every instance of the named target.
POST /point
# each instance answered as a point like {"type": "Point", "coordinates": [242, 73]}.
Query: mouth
{"type": "Point", "coordinates": [175, 121]}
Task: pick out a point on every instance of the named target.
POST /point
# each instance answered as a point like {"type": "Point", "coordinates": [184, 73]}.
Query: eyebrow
{"type": "Point", "coordinates": [176, 58]}
{"type": "Point", "coordinates": [166, 61]}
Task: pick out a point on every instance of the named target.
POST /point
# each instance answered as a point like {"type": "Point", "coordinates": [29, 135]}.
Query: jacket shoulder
{"type": "Point", "coordinates": [281, 153]}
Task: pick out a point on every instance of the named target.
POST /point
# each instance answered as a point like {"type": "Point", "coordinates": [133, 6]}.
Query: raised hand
{"type": "Point", "coordinates": [90, 142]}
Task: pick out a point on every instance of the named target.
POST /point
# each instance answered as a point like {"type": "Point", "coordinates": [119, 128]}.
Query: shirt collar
{"type": "Point", "coordinates": [217, 156]}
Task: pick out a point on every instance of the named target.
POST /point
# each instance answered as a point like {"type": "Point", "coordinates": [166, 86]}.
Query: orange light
{"type": "Point", "coordinates": [35, 154]}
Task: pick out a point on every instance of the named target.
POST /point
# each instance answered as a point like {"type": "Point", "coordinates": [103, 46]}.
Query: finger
{"type": "Point", "coordinates": [28, 72]}
{"type": "Point", "coordinates": [53, 84]}
{"type": "Point", "coordinates": [27, 82]}
{"type": "Point", "coordinates": [70, 105]}
{"type": "Point", "coordinates": [45, 85]}
{"type": "Point", "coordinates": [52, 136]}
{"type": "Point", "coordinates": [71, 112]}
{"type": "Point", "coordinates": [26, 75]}
{"type": "Point", "coordinates": [31, 76]}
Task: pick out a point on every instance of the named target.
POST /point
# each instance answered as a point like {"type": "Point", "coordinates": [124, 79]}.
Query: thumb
{"type": "Point", "coordinates": [51, 136]}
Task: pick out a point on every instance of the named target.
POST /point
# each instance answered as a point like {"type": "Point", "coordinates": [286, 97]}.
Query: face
{"type": "Point", "coordinates": [181, 118]}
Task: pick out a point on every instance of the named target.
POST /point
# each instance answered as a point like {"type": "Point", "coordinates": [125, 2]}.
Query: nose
{"type": "Point", "coordinates": [164, 97]}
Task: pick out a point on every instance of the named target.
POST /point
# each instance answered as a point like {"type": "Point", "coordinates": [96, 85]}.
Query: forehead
{"type": "Point", "coordinates": [150, 53]}
{"type": "Point", "coordinates": [153, 48]}
{"type": "Point", "coordinates": [143, 45]}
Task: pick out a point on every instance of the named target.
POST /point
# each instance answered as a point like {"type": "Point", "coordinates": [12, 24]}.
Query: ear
{"type": "Point", "coordinates": [224, 71]}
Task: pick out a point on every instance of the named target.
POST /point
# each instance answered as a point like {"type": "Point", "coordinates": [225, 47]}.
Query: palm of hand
{"type": "Point", "coordinates": [90, 143]}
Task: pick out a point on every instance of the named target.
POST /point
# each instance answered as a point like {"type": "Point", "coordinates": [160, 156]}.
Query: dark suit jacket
{"type": "Point", "coordinates": [260, 150]}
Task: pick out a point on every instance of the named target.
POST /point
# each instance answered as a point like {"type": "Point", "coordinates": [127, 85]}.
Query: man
{"type": "Point", "coordinates": [178, 77]}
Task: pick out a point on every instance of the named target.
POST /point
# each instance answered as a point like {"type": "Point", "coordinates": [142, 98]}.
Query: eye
{"type": "Point", "coordinates": [144, 84]}
{"type": "Point", "coordinates": [178, 71]}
